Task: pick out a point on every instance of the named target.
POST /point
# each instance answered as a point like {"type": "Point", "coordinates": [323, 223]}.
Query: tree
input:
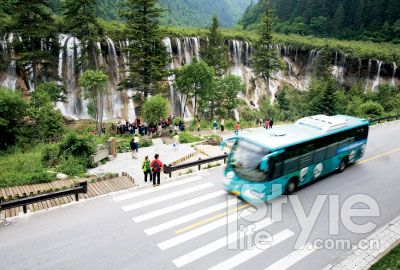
{"type": "Point", "coordinates": [13, 108]}
{"type": "Point", "coordinates": [323, 66]}
{"type": "Point", "coordinates": [214, 51]}
{"type": "Point", "coordinates": [37, 45]}
{"type": "Point", "coordinates": [195, 80]}
{"type": "Point", "coordinates": [150, 64]}
{"type": "Point", "coordinates": [338, 21]}
{"type": "Point", "coordinates": [265, 58]}
{"type": "Point", "coordinates": [228, 88]}
{"type": "Point", "coordinates": [48, 124]}
{"type": "Point", "coordinates": [94, 83]}
{"type": "Point", "coordinates": [155, 108]}
{"type": "Point", "coordinates": [370, 110]}
{"type": "Point", "coordinates": [81, 22]}
{"type": "Point", "coordinates": [54, 90]}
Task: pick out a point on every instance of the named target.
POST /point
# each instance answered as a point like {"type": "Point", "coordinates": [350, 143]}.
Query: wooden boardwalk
{"type": "Point", "coordinates": [95, 188]}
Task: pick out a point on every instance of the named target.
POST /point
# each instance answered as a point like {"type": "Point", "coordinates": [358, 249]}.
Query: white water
{"type": "Point", "coordinates": [394, 74]}
{"type": "Point", "coordinates": [378, 76]}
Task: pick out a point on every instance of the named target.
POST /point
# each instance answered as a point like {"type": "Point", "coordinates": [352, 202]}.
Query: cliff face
{"type": "Point", "coordinates": [297, 72]}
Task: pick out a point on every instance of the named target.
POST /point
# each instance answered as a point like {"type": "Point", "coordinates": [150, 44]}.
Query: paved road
{"type": "Point", "coordinates": [182, 223]}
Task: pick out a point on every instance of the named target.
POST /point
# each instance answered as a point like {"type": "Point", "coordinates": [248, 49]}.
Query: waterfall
{"type": "Point", "coordinates": [187, 48]}
{"type": "Point", "coordinates": [339, 68]}
{"type": "Point", "coordinates": [394, 74]}
{"type": "Point", "coordinates": [179, 51]}
{"type": "Point", "coordinates": [236, 56]}
{"type": "Point", "coordinates": [367, 81]}
{"type": "Point", "coordinates": [10, 80]}
{"type": "Point", "coordinates": [171, 77]}
{"type": "Point", "coordinates": [378, 75]}
{"type": "Point", "coordinates": [196, 47]}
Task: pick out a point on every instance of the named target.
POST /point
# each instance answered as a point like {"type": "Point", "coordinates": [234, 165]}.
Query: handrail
{"type": "Point", "coordinates": [169, 169]}
{"type": "Point", "coordinates": [378, 120]}
{"type": "Point", "coordinates": [26, 200]}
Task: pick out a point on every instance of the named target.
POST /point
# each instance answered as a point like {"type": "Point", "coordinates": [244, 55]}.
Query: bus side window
{"type": "Point", "coordinates": [319, 154]}
{"type": "Point", "coordinates": [361, 133]}
{"type": "Point", "coordinates": [306, 160]}
{"type": "Point", "coordinates": [276, 170]}
{"type": "Point", "coordinates": [331, 150]}
{"type": "Point", "coordinates": [291, 165]}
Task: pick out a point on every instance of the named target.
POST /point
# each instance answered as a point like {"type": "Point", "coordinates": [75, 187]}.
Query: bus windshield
{"type": "Point", "coordinates": [246, 159]}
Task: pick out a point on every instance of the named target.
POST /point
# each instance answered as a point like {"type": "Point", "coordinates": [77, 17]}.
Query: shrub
{"type": "Point", "coordinates": [51, 155]}
{"type": "Point", "coordinates": [73, 166]}
{"type": "Point", "coordinates": [76, 146]}
{"type": "Point", "coordinates": [185, 137]}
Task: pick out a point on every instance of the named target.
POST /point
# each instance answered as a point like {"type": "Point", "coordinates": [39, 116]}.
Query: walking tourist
{"type": "Point", "coordinates": [271, 122]}
{"type": "Point", "coordinates": [237, 128]}
{"type": "Point", "coordinates": [176, 141]}
{"type": "Point", "coordinates": [146, 169]}
{"type": "Point", "coordinates": [156, 166]}
{"type": "Point", "coordinates": [215, 126]}
{"type": "Point", "coordinates": [266, 124]}
{"type": "Point", "coordinates": [222, 125]}
{"type": "Point", "coordinates": [134, 147]}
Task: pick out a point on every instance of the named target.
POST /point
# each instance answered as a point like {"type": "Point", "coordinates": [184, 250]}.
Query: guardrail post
{"type": "Point", "coordinates": [24, 208]}
{"type": "Point", "coordinates": [170, 172]}
{"type": "Point", "coordinates": [225, 157]}
{"type": "Point", "coordinates": [199, 166]}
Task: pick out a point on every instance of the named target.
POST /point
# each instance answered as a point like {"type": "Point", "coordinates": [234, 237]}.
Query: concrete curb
{"type": "Point", "coordinates": [363, 258]}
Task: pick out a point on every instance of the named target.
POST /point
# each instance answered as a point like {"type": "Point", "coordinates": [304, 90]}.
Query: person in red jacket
{"type": "Point", "coordinates": [156, 166]}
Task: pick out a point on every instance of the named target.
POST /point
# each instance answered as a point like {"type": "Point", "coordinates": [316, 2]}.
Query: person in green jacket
{"type": "Point", "coordinates": [146, 169]}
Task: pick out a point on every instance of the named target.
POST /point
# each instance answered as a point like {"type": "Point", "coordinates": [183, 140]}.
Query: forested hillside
{"type": "Point", "coordinates": [180, 12]}
{"type": "Point", "coordinates": [376, 20]}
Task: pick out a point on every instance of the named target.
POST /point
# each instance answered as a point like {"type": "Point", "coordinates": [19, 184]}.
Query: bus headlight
{"type": "Point", "coordinates": [230, 175]}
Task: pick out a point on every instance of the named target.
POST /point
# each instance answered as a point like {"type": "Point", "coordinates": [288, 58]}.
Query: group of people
{"type": "Point", "coordinates": [152, 169]}
{"type": "Point", "coordinates": [144, 129]}
{"type": "Point", "coordinates": [267, 123]}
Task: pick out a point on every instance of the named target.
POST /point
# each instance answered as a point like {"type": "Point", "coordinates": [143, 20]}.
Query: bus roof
{"type": "Point", "coordinates": [303, 130]}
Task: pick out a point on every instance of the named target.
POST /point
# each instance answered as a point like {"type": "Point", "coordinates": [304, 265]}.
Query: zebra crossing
{"type": "Point", "coordinates": [188, 211]}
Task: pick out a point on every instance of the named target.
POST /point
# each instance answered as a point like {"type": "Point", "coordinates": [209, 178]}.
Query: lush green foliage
{"type": "Point", "coordinates": [226, 91]}
{"type": "Point", "coordinates": [378, 21]}
{"type": "Point", "coordinates": [265, 60]}
{"type": "Point", "coordinates": [94, 83]}
{"type": "Point", "coordinates": [389, 261]}
{"type": "Point", "coordinates": [186, 137]}
{"type": "Point", "coordinates": [23, 167]}
{"type": "Point", "coordinates": [155, 108]}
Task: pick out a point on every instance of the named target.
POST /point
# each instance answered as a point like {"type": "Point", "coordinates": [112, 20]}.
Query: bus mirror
{"type": "Point", "coordinates": [264, 163]}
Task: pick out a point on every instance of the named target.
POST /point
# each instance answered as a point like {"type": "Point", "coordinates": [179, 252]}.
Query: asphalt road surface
{"type": "Point", "coordinates": [183, 224]}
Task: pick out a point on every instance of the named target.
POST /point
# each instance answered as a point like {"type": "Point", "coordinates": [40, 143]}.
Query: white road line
{"type": "Point", "coordinates": [251, 253]}
{"type": "Point", "coordinates": [135, 194]}
{"type": "Point", "coordinates": [201, 230]}
{"type": "Point", "coordinates": [178, 206]}
{"type": "Point", "coordinates": [166, 197]}
{"type": "Point", "coordinates": [220, 243]}
{"type": "Point", "coordinates": [292, 258]}
{"type": "Point", "coordinates": [189, 217]}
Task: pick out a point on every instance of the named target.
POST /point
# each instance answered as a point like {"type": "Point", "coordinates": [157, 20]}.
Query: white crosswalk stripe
{"type": "Point", "coordinates": [189, 217]}
{"type": "Point", "coordinates": [292, 258]}
{"type": "Point", "coordinates": [178, 206]}
{"type": "Point", "coordinates": [251, 253]}
{"type": "Point", "coordinates": [139, 193]}
{"type": "Point", "coordinates": [166, 197]}
{"type": "Point", "coordinates": [217, 244]}
{"type": "Point", "coordinates": [200, 231]}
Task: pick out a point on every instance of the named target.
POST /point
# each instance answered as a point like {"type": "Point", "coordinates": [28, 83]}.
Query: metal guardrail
{"type": "Point", "coordinates": [26, 200]}
{"type": "Point", "coordinates": [386, 118]}
{"type": "Point", "coordinates": [169, 169]}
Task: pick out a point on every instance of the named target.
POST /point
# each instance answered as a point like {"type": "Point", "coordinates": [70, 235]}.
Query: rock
{"type": "Point", "coordinates": [110, 157]}
{"type": "Point", "coordinates": [61, 176]}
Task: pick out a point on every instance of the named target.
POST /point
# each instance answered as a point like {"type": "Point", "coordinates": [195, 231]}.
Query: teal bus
{"type": "Point", "coordinates": [266, 163]}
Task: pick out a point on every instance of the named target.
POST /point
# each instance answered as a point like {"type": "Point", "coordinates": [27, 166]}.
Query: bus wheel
{"type": "Point", "coordinates": [343, 164]}
{"type": "Point", "coordinates": [291, 186]}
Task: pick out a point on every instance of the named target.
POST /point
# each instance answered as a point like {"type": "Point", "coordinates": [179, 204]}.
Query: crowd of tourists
{"type": "Point", "coordinates": [144, 129]}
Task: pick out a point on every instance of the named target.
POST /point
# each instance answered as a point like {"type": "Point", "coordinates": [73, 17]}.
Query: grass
{"type": "Point", "coordinates": [20, 168]}
{"type": "Point", "coordinates": [390, 261]}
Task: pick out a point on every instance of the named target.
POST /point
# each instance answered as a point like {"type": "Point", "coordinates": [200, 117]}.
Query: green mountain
{"type": "Point", "coordinates": [180, 12]}
{"type": "Point", "coordinates": [376, 20]}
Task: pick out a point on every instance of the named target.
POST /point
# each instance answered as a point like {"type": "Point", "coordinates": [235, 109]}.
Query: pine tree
{"type": "Point", "coordinates": [265, 58]}
{"type": "Point", "coordinates": [215, 54]}
{"type": "Point", "coordinates": [149, 67]}
{"type": "Point", "coordinates": [36, 45]}
{"type": "Point", "coordinates": [81, 22]}
{"type": "Point", "coordinates": [214, 51]}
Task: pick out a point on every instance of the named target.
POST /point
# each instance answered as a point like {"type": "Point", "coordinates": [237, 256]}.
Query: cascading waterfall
{"type": "Point", "coordinates": [378, 75]}
{"type": "Point", "coordinates": [114, 58]}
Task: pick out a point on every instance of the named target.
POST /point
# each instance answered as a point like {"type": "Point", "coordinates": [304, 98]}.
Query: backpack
{"type": "Point", "coordinates": [156, 166]}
